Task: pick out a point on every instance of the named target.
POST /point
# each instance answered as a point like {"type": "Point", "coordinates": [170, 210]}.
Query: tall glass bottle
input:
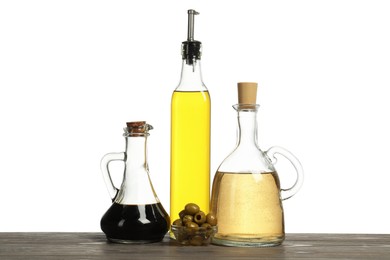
{"type": "Point", "coordinates": [190, 131]}
{"type": "Point", "coordinates": [246, 196]}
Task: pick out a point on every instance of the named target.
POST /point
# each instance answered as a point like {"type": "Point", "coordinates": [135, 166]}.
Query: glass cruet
{"type": "Point", "coordinates": [246, 193]}
{"type": "Point", "coordinates": [136, 215]}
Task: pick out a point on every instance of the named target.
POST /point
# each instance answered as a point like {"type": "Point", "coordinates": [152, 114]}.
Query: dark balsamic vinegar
{"type": "Point", "coordinates": [135, 223]}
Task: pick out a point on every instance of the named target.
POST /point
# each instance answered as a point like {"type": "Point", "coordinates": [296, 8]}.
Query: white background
{"type": "Point", "coordinates": [73, 72]}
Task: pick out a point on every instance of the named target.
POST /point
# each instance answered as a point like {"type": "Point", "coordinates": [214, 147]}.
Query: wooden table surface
{"type": "Point", "coordinates": [95, 246]}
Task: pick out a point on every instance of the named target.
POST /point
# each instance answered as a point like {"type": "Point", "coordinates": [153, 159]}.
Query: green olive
{"type": "Point", "coordinates": [182, 214]}
{"type": "Point", "coordinates": [191, 228]}
{"type": "Point", "coordinates": [192, 225]}
{"type": "Point", "coordinates": [191, 209]}
{"type": "Point", "coordinates": [200, 217]}
{"type": "Point", "coordinates": [196, 240]}
{"type": "Point", "coordinates": [211, 219]}
{"type": "Point", "coordinates": [177, 222]}
{"type": "Point", "coordinates": [187, 218]}
{"type": "Point", "coordinates": [206, 225]}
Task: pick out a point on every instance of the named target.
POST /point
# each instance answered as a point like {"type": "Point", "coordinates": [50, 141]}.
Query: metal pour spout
{"type": "Point", "coordinates": [191, 18]}
{"type": "Point", "coordinates": [191, 49]}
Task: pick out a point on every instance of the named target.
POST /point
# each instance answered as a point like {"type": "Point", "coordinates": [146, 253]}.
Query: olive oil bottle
{"type": "Point", "coordinates": [190, 131]}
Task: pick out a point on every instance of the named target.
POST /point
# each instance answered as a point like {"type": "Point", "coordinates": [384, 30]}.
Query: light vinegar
{"type": "Point", "coordinates": [248, 209]}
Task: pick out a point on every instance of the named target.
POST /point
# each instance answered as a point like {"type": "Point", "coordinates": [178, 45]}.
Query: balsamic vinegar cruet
{"type": "Point", "coordinates": [136, 215]}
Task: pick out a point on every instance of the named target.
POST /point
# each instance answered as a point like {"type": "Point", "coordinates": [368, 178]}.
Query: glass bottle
{"type": "Point", "coordinates": [190, 132]}
{"type": "Point", "coordinates": [136, 215]}
{"type": "Point", "coordinates": [246, 194]}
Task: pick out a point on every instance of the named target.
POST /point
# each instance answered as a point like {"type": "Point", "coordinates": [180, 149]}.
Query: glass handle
{"type": "Point", "coordinates": [104, 166]}
{"type": "Point", "coordinates": [287, 193]}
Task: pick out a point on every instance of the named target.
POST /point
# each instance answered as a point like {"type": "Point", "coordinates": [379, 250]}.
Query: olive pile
{"type": "Point", "coordinates": [194, 227]}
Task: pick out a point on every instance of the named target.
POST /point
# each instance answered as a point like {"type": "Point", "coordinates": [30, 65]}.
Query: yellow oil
{"type": "Point", "coordinates": [190, 151]}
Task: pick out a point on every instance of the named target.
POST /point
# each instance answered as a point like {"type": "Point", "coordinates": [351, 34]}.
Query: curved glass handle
{"type": "Point", "coordinates": [112, 190]}
{"type": "Point", "coordinates": [287, 193]}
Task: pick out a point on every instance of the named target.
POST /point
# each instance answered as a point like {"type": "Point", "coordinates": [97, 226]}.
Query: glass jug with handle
{"type": "Point", "coordinates": [136, 215]}
{"type": "Point", "coordinates": [246, 194]}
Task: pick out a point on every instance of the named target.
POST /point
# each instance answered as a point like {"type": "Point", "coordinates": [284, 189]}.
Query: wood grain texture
{"type": "Point", "coordinates": [95, 246]}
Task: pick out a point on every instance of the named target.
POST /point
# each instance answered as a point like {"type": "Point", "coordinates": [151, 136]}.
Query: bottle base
{"type": "Point", "coordinates": [124, 241]}
{"type": "Point", "coordinates": [248, 242]}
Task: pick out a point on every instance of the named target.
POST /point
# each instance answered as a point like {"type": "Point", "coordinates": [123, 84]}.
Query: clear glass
{"type": "Point", "coordinates": [246, 194]}
{"type": "Point", "coordinates": [190, 142]}
{"type": "Point", "coordinates": [191, 77]}
{"type": "Point", "coordinates": [136, 215]}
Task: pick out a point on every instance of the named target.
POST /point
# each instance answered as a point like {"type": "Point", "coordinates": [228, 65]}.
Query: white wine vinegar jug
{"type": "Point", "coordinates": [246, 194]}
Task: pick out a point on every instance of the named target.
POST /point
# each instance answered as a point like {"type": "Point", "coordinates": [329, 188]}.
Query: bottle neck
{"type": "Point", "coordinates": [247, 128]}
{"type": "Point", "coordinates": [136, 154]}
{"type": "Point", "coordinates": [136, 188]}
{"type": "Point", "coordinates": [191, 77]}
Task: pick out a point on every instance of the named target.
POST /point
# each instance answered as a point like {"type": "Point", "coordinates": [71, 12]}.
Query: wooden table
{"type": "Point", "coordinates": [94, 246]}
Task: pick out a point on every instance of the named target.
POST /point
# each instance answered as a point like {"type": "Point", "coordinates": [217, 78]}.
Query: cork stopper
{"type": "Point", "coordinates": [137, 128]}
{"type": "Point", "coordinates": [247, 92]}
